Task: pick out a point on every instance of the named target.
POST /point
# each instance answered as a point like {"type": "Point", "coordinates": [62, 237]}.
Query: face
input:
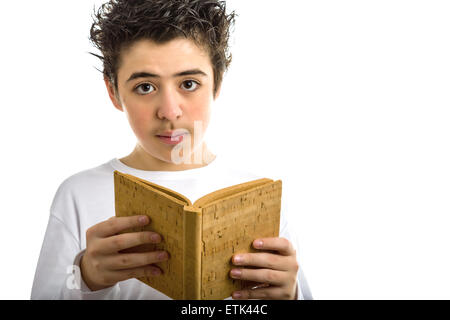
{"type": "Point", "coordinates": [164, 88]}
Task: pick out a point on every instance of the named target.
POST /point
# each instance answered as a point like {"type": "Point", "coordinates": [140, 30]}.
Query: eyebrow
{"type": "Point", "coordinates": [144, 74]}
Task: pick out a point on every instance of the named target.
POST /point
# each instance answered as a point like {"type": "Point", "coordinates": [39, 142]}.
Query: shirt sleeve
{"type": "Point", "coordinates": [58, 273]}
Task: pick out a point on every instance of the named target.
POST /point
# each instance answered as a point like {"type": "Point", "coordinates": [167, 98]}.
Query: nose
{"type": "Point", "coordinates": [169, 105]}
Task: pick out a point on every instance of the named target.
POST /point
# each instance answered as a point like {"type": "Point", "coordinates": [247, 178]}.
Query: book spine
{"type": "Point", "coordinates": [192, 250]}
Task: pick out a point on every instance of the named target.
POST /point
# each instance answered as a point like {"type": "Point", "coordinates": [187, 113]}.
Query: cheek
{"type": "Point", "coordinates": [139, 119]}
{"type": "Point", "coordinates": [201, 111]}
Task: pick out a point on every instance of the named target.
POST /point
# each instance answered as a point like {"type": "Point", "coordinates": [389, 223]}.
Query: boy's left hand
{"type": "Point", "coordinates": [278, 271]}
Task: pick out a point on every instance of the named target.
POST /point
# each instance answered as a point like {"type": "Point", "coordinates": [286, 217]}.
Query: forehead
{"type": "Point", "coordinates": [165, 59]}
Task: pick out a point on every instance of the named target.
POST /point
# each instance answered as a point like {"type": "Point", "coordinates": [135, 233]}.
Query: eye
{"type": "Point", "coordinates": [190, 85]}
{"type": "Point", "coordinates": [144, 88]}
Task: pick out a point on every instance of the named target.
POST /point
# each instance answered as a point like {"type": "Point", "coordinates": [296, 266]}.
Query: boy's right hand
{"type": "Point", "coordinates": [102, 265]}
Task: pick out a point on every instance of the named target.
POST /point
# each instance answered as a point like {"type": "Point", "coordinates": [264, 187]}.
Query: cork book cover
{"type": "Point", "coordinates": [202, 237]}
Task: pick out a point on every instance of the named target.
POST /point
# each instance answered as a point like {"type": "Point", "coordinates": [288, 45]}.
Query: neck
{"type": "Point", "coordinates": [141, 160]}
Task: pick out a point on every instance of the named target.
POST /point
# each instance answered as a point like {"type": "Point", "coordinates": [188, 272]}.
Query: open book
{"type": "Point", "coordinates": [201, 238]}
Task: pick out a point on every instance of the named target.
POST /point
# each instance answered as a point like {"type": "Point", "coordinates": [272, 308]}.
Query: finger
{"type": "Point", "coordinates": [263, 260]}
{"type": "Point", "coordinates": [120, 242]}
{"type": "Point", "coordinates": [282, 245]}
{"type": "Point", "coordinates": [115, 225]}
{"type": "Point", "coordinates": [146, 271]}
{"type": "Point", "coordinates": [266, 293]}
{"type": "Point", "coordinates": [254, 285]}
{"type": "Point", "coordinates": [123, 261]}
{"type": "Point", "coordinates": [247, 285]}
{"type": "Point", "coordinates": [272, 277]}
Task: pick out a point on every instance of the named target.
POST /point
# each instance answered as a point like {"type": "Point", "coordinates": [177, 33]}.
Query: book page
{"type": "Point", "coordinates": [231, 190]}
{"type": "Point", "coordinates": [161, 189]}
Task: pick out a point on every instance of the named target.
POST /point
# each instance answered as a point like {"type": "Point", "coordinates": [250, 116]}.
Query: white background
{"type": "Point", "coordinates": [346, 101]}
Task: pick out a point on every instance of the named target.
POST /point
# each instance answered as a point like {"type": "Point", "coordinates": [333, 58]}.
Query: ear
{"type": "Point", "coordinates": [218, 92]}
{"type": "Point", "coordinates": [112, 94]}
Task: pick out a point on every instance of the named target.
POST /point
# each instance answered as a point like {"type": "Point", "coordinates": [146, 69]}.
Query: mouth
{"type": "Point", "coordinates": [172, 133]}
{"type": "Point", "coordinates": [171, 140]}
{"type": "Point", "coordinates": [174, 136]}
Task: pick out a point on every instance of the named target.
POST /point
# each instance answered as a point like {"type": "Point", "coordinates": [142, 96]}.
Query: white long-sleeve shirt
{"type": "Point", "coordinates": [87, 198]}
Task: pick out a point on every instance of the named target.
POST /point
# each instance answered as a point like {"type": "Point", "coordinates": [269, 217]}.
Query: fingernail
{"type": "Point", "coordinates": [236, 273]}
{"type": "Point", "coordinates": [237, 294]}
{"type": "Point", "coordinates": [155, 237]}
{"type": "Point", "coordinates": [155, 272]}
{"type": "Point", "coordinates": [143, 219]}
{"type": "Point", "coordinates": [258, 243]}
{"type": "Point", "coordinates": [238, 259]}
{"type": "Point", "coordinates": [162, 256]}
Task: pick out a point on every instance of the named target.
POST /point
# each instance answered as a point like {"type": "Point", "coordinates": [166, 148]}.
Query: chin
{"type": "Point", "coordinates": [173, 154]}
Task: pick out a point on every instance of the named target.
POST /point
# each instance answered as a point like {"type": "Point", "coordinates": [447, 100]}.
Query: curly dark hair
{"type": "Point", "coordinates": [119, 23]}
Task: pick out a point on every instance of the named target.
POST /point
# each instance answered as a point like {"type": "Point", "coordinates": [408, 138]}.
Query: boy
{"type": "Point", "coordinates": [163, 65]}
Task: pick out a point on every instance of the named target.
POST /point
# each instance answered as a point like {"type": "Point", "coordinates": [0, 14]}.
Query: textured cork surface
{"type": "Point", "coordinates": [133, 197]}
{"type": "Point", "coordinates": [200, 238]}
{"type": "Point", "coordinates": [230, 226]}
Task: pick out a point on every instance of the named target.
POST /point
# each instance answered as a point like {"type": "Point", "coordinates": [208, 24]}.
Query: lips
{"type": "Point", "coordinates": [172, 140]}
{"type": "Point", "coordinates": [168, 136]}
{"type": "Point", "coordinates": [171, 134]}
{"type": "Point", "coordinates": [172, 137]}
